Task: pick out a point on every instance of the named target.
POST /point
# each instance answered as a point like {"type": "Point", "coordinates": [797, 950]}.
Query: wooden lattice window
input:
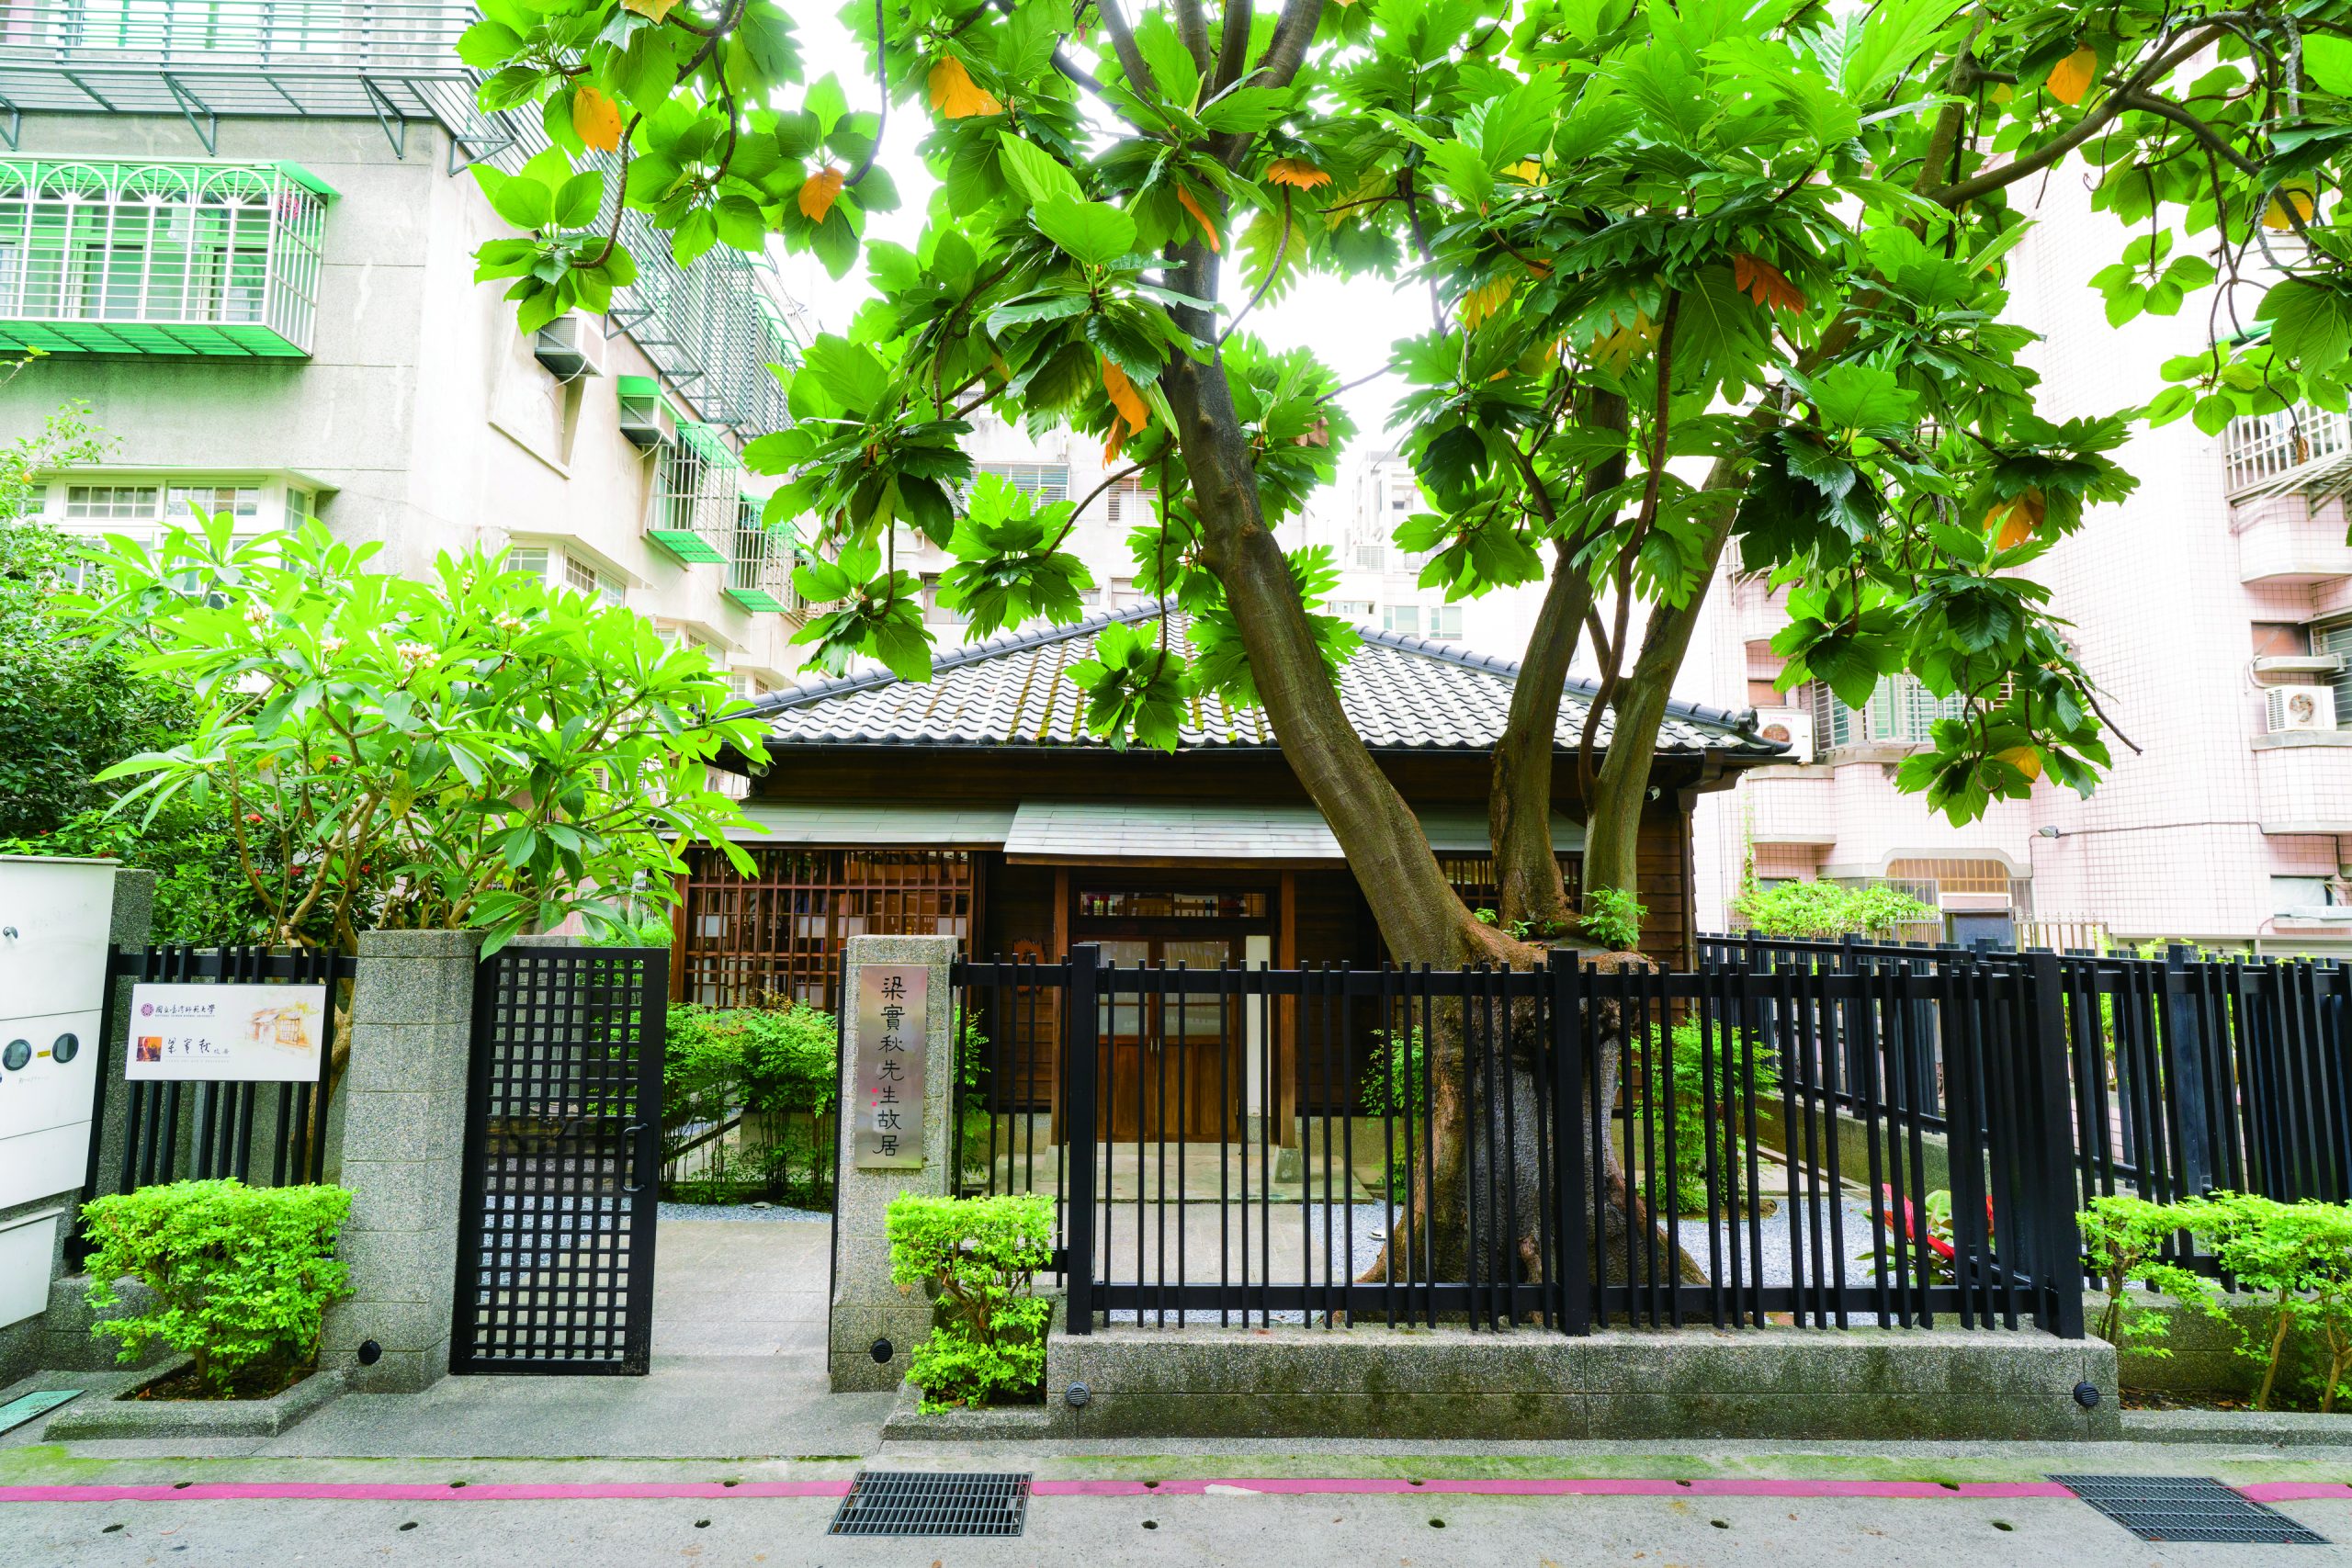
{"type": "Point", "coordinates": [780, 930]}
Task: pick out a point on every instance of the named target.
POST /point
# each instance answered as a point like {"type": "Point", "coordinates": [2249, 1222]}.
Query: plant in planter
{"type": "Point", "coordinates": [241, 1278]}
{"type": "Point", "coordinates": [1697, 1081]}
{"type": "Point", "coordinates": [2122, 1239]}
{"type": "Point", "coordinates": [977, 1258]}
{"type": "Point", "coordinates": [2299, 1255]}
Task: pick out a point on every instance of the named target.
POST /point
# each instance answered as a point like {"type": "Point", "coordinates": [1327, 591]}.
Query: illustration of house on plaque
{"type": "Point", "coordinates": [292, 1028]}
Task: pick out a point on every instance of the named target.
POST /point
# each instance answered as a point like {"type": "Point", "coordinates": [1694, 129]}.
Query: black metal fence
{"type": "Point", "coordinates": [1565, 1146]}
{"type": "Point", "coordinates": [2189, 1073]}
{"type": "Point", "coordinates": [264, 1133]}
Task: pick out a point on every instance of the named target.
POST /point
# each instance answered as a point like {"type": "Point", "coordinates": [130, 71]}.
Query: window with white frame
{"type": "Point", "coordinates": [1351, 609]}
{"type": "Point", "coordinates": [137, 503]}
{"type": "Point", "coordinates": [1403, 619]}
{"type": "Point", "coordinates": [1404, 492]}
{"type": "Point", "coordinates": [1372, 558]}
{"type": "Point", "coordinates": [1042, 481]}
{"type": "Point", "coordinates": [1131, 502]}
{"type": "Point", "coordinates": [1445, 623]}
{"type": "Point", "coordinates": [588, 577]}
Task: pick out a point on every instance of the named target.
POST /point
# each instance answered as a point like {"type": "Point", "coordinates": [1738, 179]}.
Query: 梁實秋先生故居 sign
{"type": "Point", "coordinates": [235, 1033]}
{"type": "Point", "coordinates": [888, 1092]}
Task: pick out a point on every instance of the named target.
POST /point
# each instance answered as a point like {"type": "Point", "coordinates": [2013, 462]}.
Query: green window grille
{"type": "Point", "coordinates": [695, 502]}
{"type": "Point", "coordinates": [1900, 712]}
{"type": "Point", "coordinates": [114, 257]}
{"type": "Point", "coordinates": [759, 576]}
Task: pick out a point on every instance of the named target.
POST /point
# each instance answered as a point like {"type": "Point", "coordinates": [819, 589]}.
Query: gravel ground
{"type": "Point", "coordinates": [764, 1212]}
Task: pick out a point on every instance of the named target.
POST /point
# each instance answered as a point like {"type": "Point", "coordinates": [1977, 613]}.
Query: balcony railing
{"type": "Point", "coordinates": [694, 497]}
{"type": "Point", "coordinates": [1901, 712]}
{"type": "Point", "coordinates": [120, 257]}
{"type": "Point", "coordinates": [369, 59]}
{"type": "Point", "coordinates": [760, 576]}
{"type": "Point", "coordinates": [2294, 449]}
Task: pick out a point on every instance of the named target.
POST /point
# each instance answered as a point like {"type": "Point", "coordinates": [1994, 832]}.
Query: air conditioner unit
{"type": "Point", "coordinates": [1792, 726]}
{"type": "Point", "coordinates": [647, 417]}
{"type": "Point", "coordinates": [2301, 707]}
{"type": "Point", "coordinates": [571, 346]}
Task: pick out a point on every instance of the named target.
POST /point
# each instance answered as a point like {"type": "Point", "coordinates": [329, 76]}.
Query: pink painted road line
{"type": "Point", "coordinates": [1279, 1486]}
{"type": "Point", "coordinates": [1530, 1486]}
{"type": "Point", "coordinates": [420, 1492]}
{"type": "Point", "coordinates": [2293, 1491]}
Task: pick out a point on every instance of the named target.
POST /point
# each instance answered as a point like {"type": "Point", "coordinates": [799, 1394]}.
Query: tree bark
{"type": "Point", "coordinates": [1519, 801]}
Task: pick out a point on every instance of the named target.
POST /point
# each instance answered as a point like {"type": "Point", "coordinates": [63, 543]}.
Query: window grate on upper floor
{"type": "Point", "coordinates": [1039, 481]}
{"type": "Point", "coordinates": [122, 257]}
{"type": "Point", "coordinates": [1901, 712]}
{"type": "Point", "coordinates": [2295, 448]}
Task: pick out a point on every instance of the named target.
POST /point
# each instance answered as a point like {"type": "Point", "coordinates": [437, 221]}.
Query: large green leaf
{"type": "Point", "coordinates": [1093, 231]}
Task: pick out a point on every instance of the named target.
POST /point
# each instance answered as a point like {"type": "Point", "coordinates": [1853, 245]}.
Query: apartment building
{"type": "Point", "coordinates": [245, 234]}
{"type": "Point", "coordinates": [2213, 608]}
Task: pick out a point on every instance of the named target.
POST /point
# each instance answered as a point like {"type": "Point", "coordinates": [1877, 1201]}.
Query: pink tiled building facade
{"type": "Point", "coordinates": [2214, 608]}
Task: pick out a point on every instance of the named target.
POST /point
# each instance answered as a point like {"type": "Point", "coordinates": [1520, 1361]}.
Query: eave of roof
{"type": "Point", "coordinates": [1736, 739]}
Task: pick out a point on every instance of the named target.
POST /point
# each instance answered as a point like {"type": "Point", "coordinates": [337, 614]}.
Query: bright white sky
{"type": "Point", "coordinates": [1349, 324]}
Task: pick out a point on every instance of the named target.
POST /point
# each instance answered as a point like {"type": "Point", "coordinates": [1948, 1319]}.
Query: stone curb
{"type": "Point", "coordinates": [1011, 1423]}
{"type": "Point", "coordinates": [2280, 1429]}
{"type": "Point", "coordinates": [195, 1418]}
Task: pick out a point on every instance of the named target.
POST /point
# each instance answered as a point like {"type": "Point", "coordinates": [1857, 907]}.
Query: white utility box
{"type": "Point", "coordinates": [54, 919]}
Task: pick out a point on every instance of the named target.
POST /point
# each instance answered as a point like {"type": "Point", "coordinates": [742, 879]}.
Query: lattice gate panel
{"type": "Point", "coordinates": [555, 1244]}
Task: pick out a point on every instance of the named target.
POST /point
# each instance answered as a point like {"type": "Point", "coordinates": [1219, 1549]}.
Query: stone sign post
{"type": "Point", "coordinates": [896, 1117]}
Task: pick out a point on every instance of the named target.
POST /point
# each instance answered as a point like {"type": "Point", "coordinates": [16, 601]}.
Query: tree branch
{"type": "Point", "coordinates": [1233, 47]}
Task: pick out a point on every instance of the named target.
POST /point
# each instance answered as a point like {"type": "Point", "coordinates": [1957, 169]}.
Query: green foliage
{"type": "Point", "coordinates": [1612, 917]}
{"type": "Point", "coordinates": [1815, 910]}
{"type": "Point", "coordinates": [977, 1259]}
{"type": "Point", "coordinates": [202, 895]}
{"type": "Point", "coordinates": [241, 1275]}
{"type": "Point", "coordinates": [479, 751]}
{"type": "Point", "coordinates": [67, 710]}
{"type": "Point", "coordinates": [1396, 1074]}
{"type": "Point", "coordinates": [1706, 1073]}
{"type": "Point", "coordinates": [1775, 237]}
{"type": "Point", "coordinates": [717, 1061]}
{"type": "Point", "coordinates": [2299, 1255]}
{"type": "Point", "coordinates": [2122, 1237]}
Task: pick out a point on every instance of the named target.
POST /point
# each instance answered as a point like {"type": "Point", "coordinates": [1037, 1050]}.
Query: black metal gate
{"type": "Point", "coordinates": [555, 1242]}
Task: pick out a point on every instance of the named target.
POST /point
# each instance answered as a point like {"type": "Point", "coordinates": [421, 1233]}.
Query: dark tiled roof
{"type": "Point", "coordinates": [1400, 693]}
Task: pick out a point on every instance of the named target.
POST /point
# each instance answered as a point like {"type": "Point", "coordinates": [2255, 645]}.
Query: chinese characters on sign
{"type": "Point", "coordinates": [889, 1089]}
{"type": "Point", "coordinates": [231, 1033]}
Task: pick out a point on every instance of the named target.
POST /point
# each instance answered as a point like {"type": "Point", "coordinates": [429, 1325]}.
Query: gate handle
{"type": "Point", "coordinates": [629, 1155]}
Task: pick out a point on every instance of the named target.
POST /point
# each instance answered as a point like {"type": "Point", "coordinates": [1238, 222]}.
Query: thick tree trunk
{"type": "Point", "coordinates": [1519, 801]}
{"type": "Point", "coordinates": [1613, 816]}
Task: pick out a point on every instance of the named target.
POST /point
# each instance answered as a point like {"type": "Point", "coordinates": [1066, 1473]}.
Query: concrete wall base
{"type": "Point", "coordinates": [1454, 1384]}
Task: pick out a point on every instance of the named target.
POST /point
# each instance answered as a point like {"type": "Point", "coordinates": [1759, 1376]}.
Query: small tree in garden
{"type": "Point", "coordinates": [476, 751]}
{"type": "Point", "coordinates": [2300, 1256]}
{"type": "Point", "coordinates": [976, 1258]}
{"type": "Point", "coordinates": [2123, 1238]}
{"type": "Point", "coordinates": [241, 1276]}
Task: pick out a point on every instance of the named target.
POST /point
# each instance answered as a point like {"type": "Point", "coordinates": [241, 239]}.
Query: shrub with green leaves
{"type": "Point", "coordinates": [977, 1259]}
{"type": "Point", "coordinates": [1697, 1083]}
{"type": "Point", "coordinates": [2299, 1256]}
{"type": "Point", "coordinates": [2122, 1238]}
{"type": "Point", "coordinates": [1813, 910]}
{"type": "Point", "coordinates": [240, 1275]}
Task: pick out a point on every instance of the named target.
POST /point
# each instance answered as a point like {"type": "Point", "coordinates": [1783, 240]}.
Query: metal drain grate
{"type": "Point", "coordinates": [2186, 1507]}
{"type": "Point", "coordinates": [909, 1501]}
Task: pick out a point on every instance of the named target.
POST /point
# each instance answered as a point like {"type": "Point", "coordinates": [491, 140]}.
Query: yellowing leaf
{"type": "Point", "coordinates": [2276, 215]}
{"type": "Point", "coordinates": [2003, 92]}
{"type": "Point", "coordinates": [1125, 398]}
{"type": "Point", "coordinates": [1617, 350]}
{"type": "Point", "coordinates": [596, 120]}
{"type": "Point", "coordinates": [1764, 283]}
{"type": "Point", "coordinates": [2070, 77]}
{"type": "Point", "coordinates": [1527, 170]}
{"type": "Point", "coordinates": [1296, 172]}
{"type": "Point", "coordinates": [1483, 302]}
{"type": "Point", "coordinates": [656, 9]}
{"type": "Point", "coordinates": [818, 191]}
{"type": "Point", "coordinates": [1117, 439]}
{"type": "Point", "coordinates": [1199, 216]}
{"type": "Point", "coordinates": [956, 94]}
{"type": "Point", "coordinates": [2024, 758]}
{"type": "Point", "coordinates": [2015, 519]}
